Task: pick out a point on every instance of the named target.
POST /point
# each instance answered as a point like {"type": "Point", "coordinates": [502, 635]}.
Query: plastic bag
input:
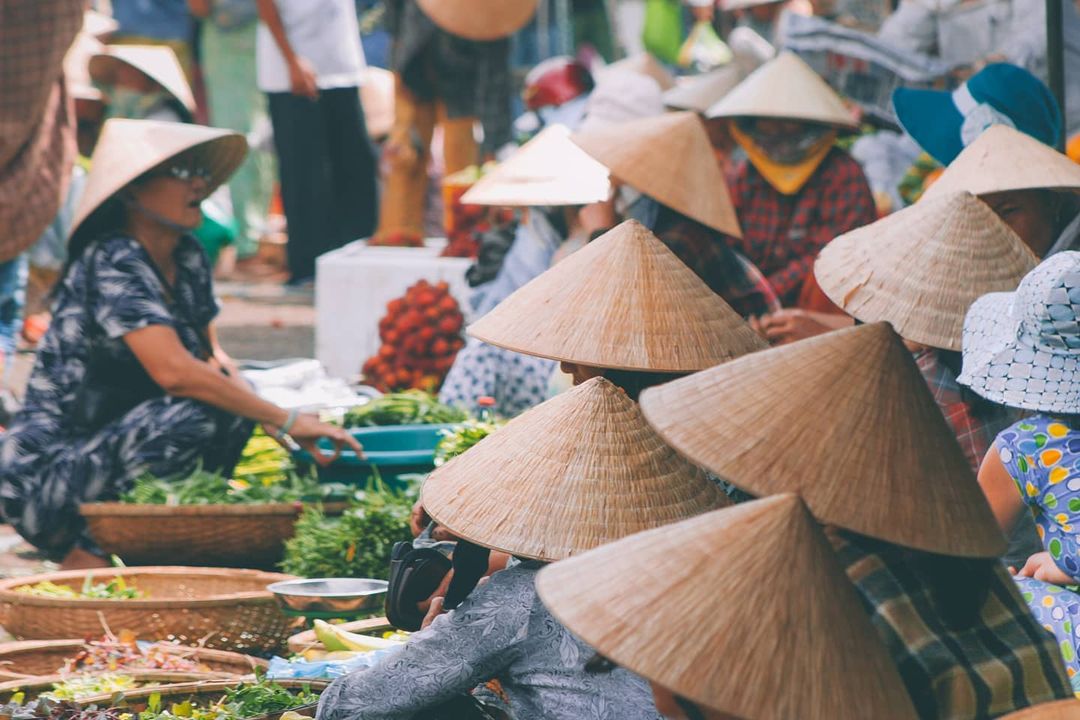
{"type": "Point", "coordinates": [663, 29]}
{"type": "Point", "coordinates": [703, 49]}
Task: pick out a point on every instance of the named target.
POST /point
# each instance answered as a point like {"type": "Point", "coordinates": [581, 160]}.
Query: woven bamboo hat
{"type": "Point", "coordinates": [623, 301]}
{"type": "Point", "coordinates": [845, 420]}
{"type": "Point", "coordinates": [157, 62]}
{"type": "Point", "coordinates": [785, 87]}
{"type": "Point", "coordinates": [129, 148]}
{"type": "Point", "coordinates": [643, 64]}
{"type": "Point", "coordinates": [480, 19]}
{"type": "Point", "coordinates": [921, 268]}
{"type": "Point", "coordinates": [735, 615]}
{"type": "Point", "coordinates": [571, 474]}
{"type": "Point", "coordinates": [700, 93]}
{"type": "Point", "coordinates": [547, 170]}
{"type": "Point", "coordinates": [1002, 159]}
{"type": "Point", "coordinates": [1059, 710]}
{"type": "Point", "coordinates": [668, 158]}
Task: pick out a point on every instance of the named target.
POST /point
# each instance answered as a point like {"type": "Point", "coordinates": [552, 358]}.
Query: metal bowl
{"type": "Point", "coordinates": [330, 595]}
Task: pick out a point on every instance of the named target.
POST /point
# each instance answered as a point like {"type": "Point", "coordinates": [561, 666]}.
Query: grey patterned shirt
{"type": "Point", "coordinates": [502, 631]}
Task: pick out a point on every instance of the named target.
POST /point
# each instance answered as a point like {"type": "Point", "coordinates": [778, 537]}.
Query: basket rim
{"type": "Point", "coordinates": [118, 509]}
{"type": "Point", "coordinates": [10, 596]}
{"type": "Point", "coordinates": [203, 686]}
{"type": "Point", "coordinates": [16, 647]}
{"type": "Point", "coordinates": [167, 677]}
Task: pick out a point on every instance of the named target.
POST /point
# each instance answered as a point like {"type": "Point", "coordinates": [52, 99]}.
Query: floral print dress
{"type": "Point", "coordinates": [48, 464]}
{"type": "Point", "coordinates": [501, 631]}
{"type": "Point", "coordinates": [1042, 455]}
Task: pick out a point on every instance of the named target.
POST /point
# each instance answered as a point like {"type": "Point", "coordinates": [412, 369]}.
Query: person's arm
{"type": "Point", "coordinates": [460, 650]}
{"type": "Point", "coordinates": [302, 76]}
{"type": "Point", "coordinates": [1000, 490]}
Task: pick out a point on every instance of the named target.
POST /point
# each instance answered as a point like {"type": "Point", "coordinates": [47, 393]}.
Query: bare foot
{"type": "Point", "coordinates": [79, 559]}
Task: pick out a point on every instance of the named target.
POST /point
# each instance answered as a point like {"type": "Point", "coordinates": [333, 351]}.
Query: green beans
{"type": "Point", "coordinates": [411, 407]}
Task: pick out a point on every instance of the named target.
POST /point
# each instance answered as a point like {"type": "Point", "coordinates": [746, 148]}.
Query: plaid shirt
{"type": "Point", "coordinates": [37, 121]}
{"type": "Point", "coordinates": [1003, 662]}
{"type": "Point", "coordinates": [974, 426]}
{"type": "Point", "coordinates": [782, 234]}
{"type": "Point", "coordinates": [726, 271]}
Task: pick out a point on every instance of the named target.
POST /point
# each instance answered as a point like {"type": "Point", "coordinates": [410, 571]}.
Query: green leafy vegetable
{"type": "Point", "coordinates": [411, 407]}
{"type": "Point", "coordinates": [206, 488]}
{"type": "Point", "coordinates": [456, 441]}
{"type": "Point", "coordinates": [263, 460]}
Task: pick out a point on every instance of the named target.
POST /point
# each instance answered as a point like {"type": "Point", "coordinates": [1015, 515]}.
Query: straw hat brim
{"type": "Point", "coordinates": [1003, 159]}
{"type": "Point", "coordinates": [848, 409]}
{"type": "Point", "coordinates": [922, 267]}
{"type": "Point", "coordinates": [568, 475]}
{"type": "Point", "coordinates": [789, 89]}
{"type": "Point", "coordinates": [624, 301]}
{"type": "Point", "coordinates": [700, 93]}
{"type": "Point", "coordinates": [480, 19]}
{"type": "Point", "coordinates": [1059, 710]}
{"type": "Point", "coordinates": [699, 608]}
{"type": "Point", "coordinates": [103, 68]}
{"type": "Point", "coordinates": [129, 148]}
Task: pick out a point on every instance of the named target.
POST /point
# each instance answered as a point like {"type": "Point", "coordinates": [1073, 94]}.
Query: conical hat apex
{"type": "Point", "coordinates": [668, 158]}
{"type": "Point", "coordinates": [128, 148]}
{"type": "Point", "coordinates": [548, 170]}
{"type": "Point", "coordinates": [1003, 159]}
{"type": "Point", "coordinates": [921, 268]}
{"type": "Point", "coordinates": [718, 645]}
{"type": "Point", "coordinates": [874, 425]}
{"type": "Point", "coordinates": [480, 19]}
{"type": "Point", "coordinates": [700, 93]}
{"type": "Point", "coordinates": [157, 62]}
{"type": "Point", "coordinates": [785, 87]}
{"type": "Point", "coordinates": [623, 301]}
{"type": "Point", "coordinates": [573, 473]}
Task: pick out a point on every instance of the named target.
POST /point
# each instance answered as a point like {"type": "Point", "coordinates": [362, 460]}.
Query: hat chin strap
{"type": "Point", "coordinates": [159, 219]}
{"type": "Point", "coordinates": [977, 116]}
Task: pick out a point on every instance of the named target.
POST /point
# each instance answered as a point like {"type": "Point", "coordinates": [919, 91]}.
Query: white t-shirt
{"type": "Point", "coordinates": [323, 32]}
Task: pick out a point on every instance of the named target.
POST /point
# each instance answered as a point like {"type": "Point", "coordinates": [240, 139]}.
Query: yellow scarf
{"type": "Point", "coordinates": [787, 179]}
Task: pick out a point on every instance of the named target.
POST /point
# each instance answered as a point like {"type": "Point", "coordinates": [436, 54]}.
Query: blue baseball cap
{"type": "Point", "coordinates": [944, 123]}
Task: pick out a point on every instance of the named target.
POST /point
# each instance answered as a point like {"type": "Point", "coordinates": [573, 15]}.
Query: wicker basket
{"type": "Point", "coordinates": [200, 692]}
{"type": "Point", "coordinates": [150, 682]}
{"type": "Point", "coordinates": [230, 609]}
{"type": "Point", "coordinates": [248, 536]}
{"type": "Point", "coordinates": [19, 660]}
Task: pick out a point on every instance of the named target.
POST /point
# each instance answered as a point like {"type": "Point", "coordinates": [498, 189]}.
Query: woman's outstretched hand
{"type": "Point", "coordinates": [1042, 567]}
{"type": "Point", "coordinates": [308, 430]}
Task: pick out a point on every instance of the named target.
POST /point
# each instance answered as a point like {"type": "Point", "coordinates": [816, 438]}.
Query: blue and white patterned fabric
{"type": "Point", "coordinates": [1022, 349]}
{"type": "Point", "coordinates": [503, 632]}
{"type": "Point", "coordinates": [47, 466]}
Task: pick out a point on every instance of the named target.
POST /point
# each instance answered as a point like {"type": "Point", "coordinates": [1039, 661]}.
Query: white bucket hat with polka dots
{"type": "Point", "coordinates": [1022, 349]}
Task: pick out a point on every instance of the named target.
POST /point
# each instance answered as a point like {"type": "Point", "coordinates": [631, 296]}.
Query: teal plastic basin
{"type": "Point", "coordinates": [394, 449]}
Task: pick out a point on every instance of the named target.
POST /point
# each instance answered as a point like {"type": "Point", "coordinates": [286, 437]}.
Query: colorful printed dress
{"type": "Point", "coordinates": [1042, 455]}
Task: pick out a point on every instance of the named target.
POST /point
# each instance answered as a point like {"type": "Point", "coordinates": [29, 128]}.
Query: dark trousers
{"type": "Point", "coordinates": [328, 172]}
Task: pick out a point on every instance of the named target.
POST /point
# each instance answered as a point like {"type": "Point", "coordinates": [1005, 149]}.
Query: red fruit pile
{"type": "Point", "coordinates": [421, 336]}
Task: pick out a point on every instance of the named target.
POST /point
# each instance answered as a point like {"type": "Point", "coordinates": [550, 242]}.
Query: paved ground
{"type": "Point", "coordinates": [257, 322]}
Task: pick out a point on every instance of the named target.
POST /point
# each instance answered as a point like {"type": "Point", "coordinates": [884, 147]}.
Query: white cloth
{"type": "Point", "coordinates": [323, 32]}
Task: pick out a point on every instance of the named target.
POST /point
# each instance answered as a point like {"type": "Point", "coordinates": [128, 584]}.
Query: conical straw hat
{"type": "Point", "coordinates": [1003, 158]}
{"type": "Point", "coordinates": [643, 64]}
{"type": "Point", "coordinates": [785, 87]}
{"type": "Point", "coordinates": [480, 19]}
{"type": "Point", "coordinates": [129, 148]}
{"type": "Point", "coordinates": [547, 170]}
{"type": "Point", "coordinates": [700, 93]}
{"type": "Point", "coordinates": [700, 608]}
{"type": "Point", "coordinates": [157, 62]}
{"type": "Point", "coordinates": [845, 420]}
{"type": "Point", "coordinates": [1059, 710]}
{"type": "Point", "coordinates": [623, 301]}
{"type": "Point", "coordinates": [573, 473]}
{"type": "Point", "coordinates": [668, 158]}
{"type": "Point", "coordinates": [921, 268]}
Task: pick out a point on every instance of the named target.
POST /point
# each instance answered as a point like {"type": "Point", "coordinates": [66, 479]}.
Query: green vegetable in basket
{"type": "Point", "coordinates": [84, 686]}
{"type": "Point", "coordinates": [207, 488]}
{"type": "Point", "coordinates": [457, 440]}
{"type": "Point", "coordinates": [357, 544]}
{"type": "Point", "coordinates": [251, 699]}
{"type": "Point", "coordinates": [263, 460]}
{"type": "Point", "coordinates": [115, 589]}
{"type": "Point", "coordinates": [411, 407]}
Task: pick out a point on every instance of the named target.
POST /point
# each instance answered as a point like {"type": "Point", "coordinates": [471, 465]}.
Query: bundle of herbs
{"type": "Point", "coordinates": [411, 407]}
{"type": "Point", "coordinates": [207, 488]}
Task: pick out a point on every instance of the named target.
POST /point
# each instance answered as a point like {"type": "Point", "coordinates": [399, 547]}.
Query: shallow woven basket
{"type": "Point", "coordinates": [19, 660]}
{"type": "Point", "coordinates": [200, 692]}
{"type": "Point", "coordinates": [151, 681]}
{"type": "Point", "coordinates": [247, 536]}
{"type": "Point", "coordinates": [230, 609]}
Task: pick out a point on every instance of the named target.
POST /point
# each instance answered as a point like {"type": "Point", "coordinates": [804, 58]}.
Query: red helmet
{"type": "Point", "coordinates": [556, 81]}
